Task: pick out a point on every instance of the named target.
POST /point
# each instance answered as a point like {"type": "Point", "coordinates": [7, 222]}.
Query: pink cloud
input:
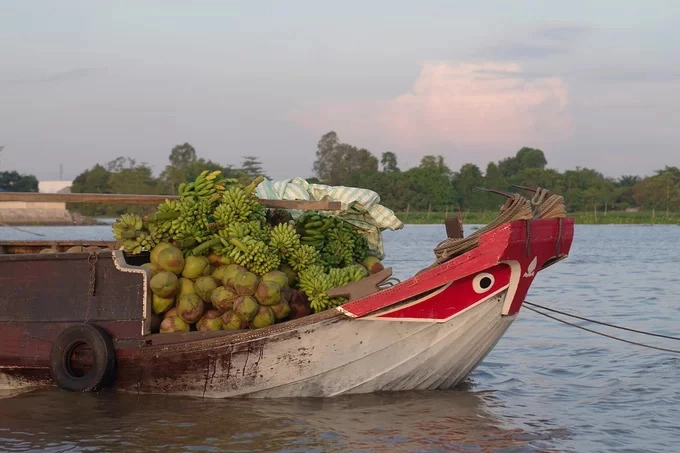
{"type": "Point", "coordinates": [487, 107]}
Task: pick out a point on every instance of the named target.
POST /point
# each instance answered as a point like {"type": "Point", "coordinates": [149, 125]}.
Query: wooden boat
{"type": "Point", "coordinates": [83, 320]}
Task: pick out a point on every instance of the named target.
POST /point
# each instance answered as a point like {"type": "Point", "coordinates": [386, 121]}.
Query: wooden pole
{"type": "Point", "coordinates": [408, 208]}
{"type": "Point", "coordinates": [112, 198]}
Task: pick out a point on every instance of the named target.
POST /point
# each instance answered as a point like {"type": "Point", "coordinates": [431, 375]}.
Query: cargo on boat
{"type": "Point", "coordinates": [82, 316]}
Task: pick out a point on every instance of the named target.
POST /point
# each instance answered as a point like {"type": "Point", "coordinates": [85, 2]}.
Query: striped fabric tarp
{"type": "Point", "coordinates": [360, 207]}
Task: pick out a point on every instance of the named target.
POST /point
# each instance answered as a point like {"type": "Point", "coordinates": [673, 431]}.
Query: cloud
{"type": "Point", "coordinates": [60, 76]}
{"type": "Point", "coordinates": [561, 32]}
{"type": "Point", "coordinates": [547, 41]}
{"type": "Point", "coordinates": [488, 108]}
{"type": "Point", "coordinates": [515, 51]}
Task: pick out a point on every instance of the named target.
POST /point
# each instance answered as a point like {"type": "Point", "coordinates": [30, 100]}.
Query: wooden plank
{"type": "Point", "coordinates": [113, 198]}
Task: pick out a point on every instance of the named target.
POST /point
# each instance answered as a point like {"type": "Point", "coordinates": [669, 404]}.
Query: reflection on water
{"type": "Point", "coordinates": [53, 420]}
{"type": "Point", "coordinates": [545, 387]}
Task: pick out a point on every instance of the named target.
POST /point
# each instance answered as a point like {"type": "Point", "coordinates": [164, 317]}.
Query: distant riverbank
{"type": "Point", "coordinates": [589, 218]}
{"type": "Point", "coordinates": [412, 218]}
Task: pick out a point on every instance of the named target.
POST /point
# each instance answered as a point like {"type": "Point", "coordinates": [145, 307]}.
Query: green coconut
{"type": "Point", "coordinates": [164, 284]}
{"type": "Point", "coordinates": [174, 324]}
{"type": "Point", "coordinates": [190, 307]}
{"type": "Point", "coordinates": [171, 259]}
{"type": "Point", "coordinates": [153, 256]}
{"type": "Point", "coordinates": [275, 276]}
{"type": "Point", "coordinates": [229, 272]}
{"type": "Point", "coordinates": [246, 307]}
{"type": "Point", "coordinates": [210, 321]}
{"type": "Point", "coordinates": [290, 273]}
{"type": "Point", "coordinates": [204, 286]}
{"type": "Point", "coordinates": [218, 273]}
{"type": "Point", "coordinates": [223, 298]}
{"type": "Point", "coordinates": [287, 293]}
{"type": "Point", "coordinates": [153, 268]}
{"type": "Point", "coordinates": [268, 293]}
{"type": "Point", "coordinates": [245, 283]}
{"type": "Point", "coordinates": [281, 309]}
{"type": "Point", "coordinates": [194, 266]}
{"type": "Point", "coordinates": [185, 286]}
{"type": "Point", "coordinates": [232, 321]}
{"type": "Point", "coordinates": [263, 318]}
{"type": "Point", "coordinates": [160, 305]}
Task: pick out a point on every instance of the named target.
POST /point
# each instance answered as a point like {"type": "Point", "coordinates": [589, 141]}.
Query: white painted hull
{"type": "Point", "coordinates": [385, 356]}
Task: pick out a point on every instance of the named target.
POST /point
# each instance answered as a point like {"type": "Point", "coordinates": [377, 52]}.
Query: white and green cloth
{"type": "Point", "coordinates": [360, 207]}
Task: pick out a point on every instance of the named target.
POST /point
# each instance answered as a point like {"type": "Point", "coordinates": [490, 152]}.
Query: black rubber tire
{"type": "Point", "coordinates": [103, 362]}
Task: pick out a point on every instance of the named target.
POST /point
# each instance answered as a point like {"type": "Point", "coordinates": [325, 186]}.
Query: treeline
{"type": "Point", "coordinates": [431, 186]}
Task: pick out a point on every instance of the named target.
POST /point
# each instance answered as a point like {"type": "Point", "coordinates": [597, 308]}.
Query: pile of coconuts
{"type": "Point", "coordinates": [201, 293]}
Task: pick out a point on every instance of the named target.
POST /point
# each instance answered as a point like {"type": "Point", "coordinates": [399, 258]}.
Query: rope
{"type": "Point", "coordinates": [674, 351]}
{"type": "Point", "coordinates": [543, 205]}
{"type": "Point", "coordinates": [515, 208]}
{"type": "Point", "coordinates": [651, 334]}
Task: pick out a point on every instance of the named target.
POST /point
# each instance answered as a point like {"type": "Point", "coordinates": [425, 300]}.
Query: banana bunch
{"type": "Point", "coordinates": [303, 257]}
{"type": "Point", "coordinates": [254, 255]}
{"type": "Point", "coordinates": [284, 238]}
{"type": "Point", "coordinates": [338, 276]}
{"type": "Point", "coordinates": [127, 226]}
{"type": "Point", "coordinates": [146, 239]}
{"type": "Point", "coordinates": [194, 220]}
{"type": "Point", "coordinates": [315, 283]}
{"type": "Point", "coordinates": [164, 215]}
{"type": "Point", "coordinates": [238, 204]}
{"type": "Point", "coordinates": [312, 227]}
{"type": "Point", "coordinates": [205, 185]}
{"type": "Point", "coordinates": [355, 272]}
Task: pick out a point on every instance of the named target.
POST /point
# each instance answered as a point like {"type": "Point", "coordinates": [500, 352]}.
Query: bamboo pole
{"type": "Point", "coordinates": [110, 198]}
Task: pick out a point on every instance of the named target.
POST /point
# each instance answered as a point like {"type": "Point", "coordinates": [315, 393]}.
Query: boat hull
{"type": "Point", "coordinates": [332, 357]}
{"type": "Point", "coordinates": [427, 332]}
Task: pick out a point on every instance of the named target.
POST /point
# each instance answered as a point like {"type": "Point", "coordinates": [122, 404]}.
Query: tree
{"type": "Point", "coordinates": [524, 158]}
{"type": "Point", "coordinates": [95, 180]}
{"type": "Point", "coordinates": [466, 183]}
{"type": "Point", "coordinates": [388, 160]}
{"type": "Point", "coordinates": [182, 155]}
{"type": "Point", "coordinates": [11, 181]}
{"type": "Point", "coordinates": [182, 162]}
{"type": "Point", "coordinates": [252, 167]}
{"type": "Point", "coordinates": [661, 191]}
{"type": "Point", "coordinates": [324, 154]}
{"type": "Point", "coordinates": [340, 163]}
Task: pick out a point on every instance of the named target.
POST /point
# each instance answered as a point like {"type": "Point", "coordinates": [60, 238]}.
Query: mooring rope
{"type": "Point", "coordinates": [651, 334]}
{"type": "Point", "coordinates": [529, 306]}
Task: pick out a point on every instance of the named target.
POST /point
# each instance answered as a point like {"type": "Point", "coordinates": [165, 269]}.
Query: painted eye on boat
{"type": "Point", "coordinates": [483, 282]}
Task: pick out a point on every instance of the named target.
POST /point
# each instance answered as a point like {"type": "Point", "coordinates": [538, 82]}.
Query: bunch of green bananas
{"type": "Point", "coordinates": [315, 283]}
{"type": "Point", "coordinates": [303, 257]}
{"type": "Point", "coordinates": [205, 185]}
{"type": "Point", "coordinates": [194, 220]}
{"type": "Point", "coordinates": [127, 226]}
{"type": "Point", "coordinates": [312, 227]}
{"type": "Point", "coordinates": [284, 238]}
{"type": "Point", "coordinates": [254, 255]}
{"type": "Point", "coordinates": [238, 204]}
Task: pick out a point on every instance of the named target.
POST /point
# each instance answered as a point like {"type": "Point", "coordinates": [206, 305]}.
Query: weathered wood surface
{"type": "Point", "coordinates": [112, 198]}
{"type": "Point", "coordinates": [22, 247]}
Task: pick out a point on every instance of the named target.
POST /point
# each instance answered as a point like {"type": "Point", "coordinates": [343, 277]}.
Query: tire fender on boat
{"type": "Point", "coordinates": [102, 352]}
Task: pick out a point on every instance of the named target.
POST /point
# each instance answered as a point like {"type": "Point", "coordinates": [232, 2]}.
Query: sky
{"type": "Point", "coordinates": [593, 84]}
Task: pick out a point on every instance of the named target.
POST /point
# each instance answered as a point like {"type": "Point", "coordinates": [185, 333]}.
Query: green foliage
{"type": "Point", "coordinates": [11, 181]}
{"type": "Point", "coordinates": [339, 163]}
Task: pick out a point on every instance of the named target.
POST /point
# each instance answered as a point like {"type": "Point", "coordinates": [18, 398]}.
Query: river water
{"type": "Point", "coordinates": [546, 387]}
